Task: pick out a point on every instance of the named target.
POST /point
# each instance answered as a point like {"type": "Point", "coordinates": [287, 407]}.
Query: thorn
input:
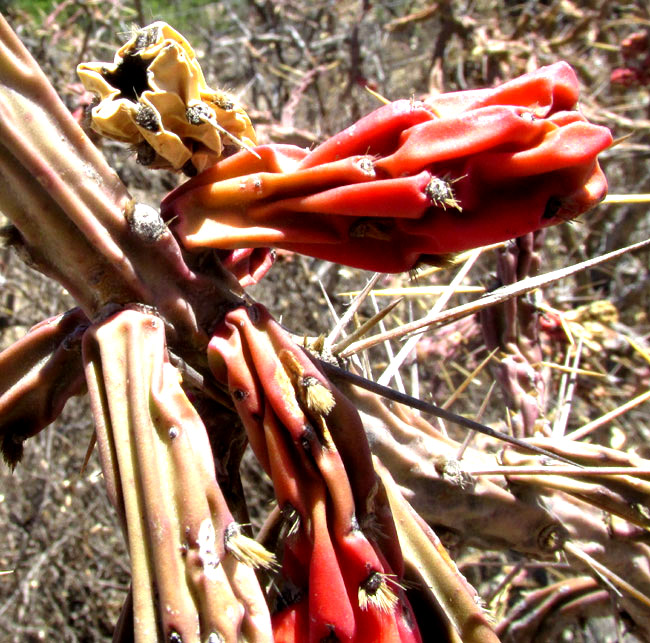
{"type": "Point", "coordinates": [352, 308]}
{"type": "Point", "coordinates": [427, 407]}
{"type": "Point", "coordinates": [89, 452]}
{"type": "Point", "coordinates": [621, 139]}
{"type": "Point", "coordinates": [365, 327]}
{"type": "Point", "coordinates": [378, 96]}
{"type": "Point", "coordinates": [626, 198]}
{"type": "Point", "coordinates": [232, 137]}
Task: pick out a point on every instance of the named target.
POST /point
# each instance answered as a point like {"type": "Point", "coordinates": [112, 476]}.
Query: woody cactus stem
{"type": "Point", "coordinates": [432, 566]}
{"type": "Point", "coordinates": [514, 328]}
{"type": "Point", "coordinates": [341, 550]}
{"type": "Point", "coordinates": [539, 515]}
{"type": "Point", "coordinates": [543, 613]}
{"type": "Point", "coordinates": [411, 182]}
{"type": "Point", "coordinates": [75, 219]}
{"type": "Point", "coordinates": [51, 166]}
{"type": "Point", "coordinates": [38, 374]}
{"type": "Point", "coordinates": [192, 579]}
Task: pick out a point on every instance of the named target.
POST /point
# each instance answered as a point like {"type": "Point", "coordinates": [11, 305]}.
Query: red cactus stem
{"type": "Point", "coordinates": [262, 426]}
{"type": "Point", "coordinates": [330, 610]}
{"type": "Point", "coordinates": [291, 625]}
{"type": "Point", "coordinates": [303, 417]}
{"type": "Point", "coordinates": [296, 554]}
{"type": "Point", "coordinates": [283, 369]}
{"type": "Point", "coordinates": [278, 388]}
{"type": "Point", "coordinates": [381, 611]}
{"type": "Point", "coordinates": [455, 137]}
{"type": "Point", "coordinates": [276, 159]}
{"type": "Point", "coordinates": [321, 447]}
{"type": "Point", "coordinates": [405, 619]}
{"type": "Point", "coordinates": [378, 626]}
{"type": "Point", "coordinates": [38, 374]}
{"type": "Point", "coordinates": [381, 608]}
{"type": "Point", "coordinates": [248, 265]}
{"type": "Point", "coordinates": [352, 456]}
{"type": "Point", "coordinates": [572, 144]}
{"type": "Point", "coordinates": [244, 387]}
{"type": "Point", "coordinates": [238, 191]}
{"type": "Point", "coordinates": [376, 605]}
{"type": "Point", "coordinates": [548, 89]}
{"type": "Point", "coordinates": [289, 474]}
{"type": "Point", "coordinates": [375, 134]}
{"type": "Point", "coordinates": [343, 421]}
{"type": "Point", "coordinates": [408, 196]}
{"type": "Point", "coordinates": [335, 611]}
{"type": "Point", "coordinates": [472, 168]}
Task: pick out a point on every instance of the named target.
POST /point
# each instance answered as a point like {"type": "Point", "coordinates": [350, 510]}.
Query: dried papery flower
{"type": "Point", "coordinates": [410, 182]}
{"type": "Point", "coordinates": [155, 97]}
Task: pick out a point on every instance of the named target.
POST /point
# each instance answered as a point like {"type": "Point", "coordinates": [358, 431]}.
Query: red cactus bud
{"type": "Point", "coordinates": [248, 265]}
{"type": "Point", "coordinates": [626, 77]}
{"type": "Point", "coordinates": [409, 181]}
{"type": "Point", "coordinates": [637, 43]}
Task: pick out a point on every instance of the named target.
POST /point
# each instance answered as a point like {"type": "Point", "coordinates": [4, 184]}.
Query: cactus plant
{"type": "Point", "coordinates": [160, 340]}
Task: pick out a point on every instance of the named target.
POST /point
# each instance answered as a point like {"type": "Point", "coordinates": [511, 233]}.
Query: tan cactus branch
{"type": "Point", "coordinates": [157, 461]}
{"type": "Point", "coordinates": [540, 521]}
{"type": "Point", "coordinates": [434, 568]}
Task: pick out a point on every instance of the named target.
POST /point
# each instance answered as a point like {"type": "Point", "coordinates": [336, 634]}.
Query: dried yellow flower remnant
{"type": "Point", "coordinates": [155, 97]}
